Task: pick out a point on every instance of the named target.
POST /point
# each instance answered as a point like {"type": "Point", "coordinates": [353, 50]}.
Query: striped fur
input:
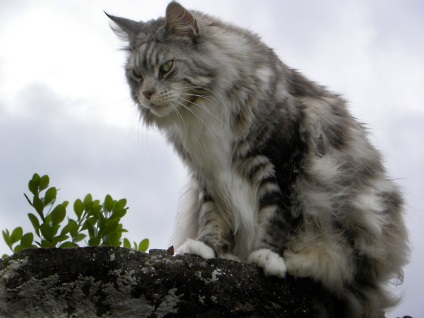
{"type": "Point", "coordinates": [281, 174]}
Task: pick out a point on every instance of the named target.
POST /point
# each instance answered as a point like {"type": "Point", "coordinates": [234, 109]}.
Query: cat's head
{"type": "Point", "coordinates": [166, 69]}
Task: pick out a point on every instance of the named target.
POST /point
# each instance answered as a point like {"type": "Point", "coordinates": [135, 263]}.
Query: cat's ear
{"type": "Point", "coordinates": [179, 21]}
{"type": "Point", "coordinates": [125, 29]}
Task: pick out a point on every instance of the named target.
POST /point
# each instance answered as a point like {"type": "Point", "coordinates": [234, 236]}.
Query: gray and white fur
{"type": "Point", "coordinates": [282, 175]}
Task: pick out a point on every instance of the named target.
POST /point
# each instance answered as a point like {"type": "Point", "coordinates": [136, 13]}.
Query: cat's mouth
{"type": "Point", "coordinates": [162, 107]}
{"type": "Point", "coordinates": [159, 110]}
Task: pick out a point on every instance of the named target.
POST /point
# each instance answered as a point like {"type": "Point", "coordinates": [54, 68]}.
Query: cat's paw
{"type": "Point", "coordinates": [197, 248]}
{"type": "Point", "coordinates": [272, 263]}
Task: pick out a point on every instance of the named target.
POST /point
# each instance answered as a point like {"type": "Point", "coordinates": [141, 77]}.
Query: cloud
{"type": "Point", "coordinates": [83, 157]}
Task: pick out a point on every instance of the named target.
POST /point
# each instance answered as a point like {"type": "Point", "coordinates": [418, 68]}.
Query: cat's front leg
{"type": "Point", "coordinates": [269, 242]}
{"type": "Point", "coordinates": [211, 237]}
{"type": "Point", "coordinates": [272, 228]}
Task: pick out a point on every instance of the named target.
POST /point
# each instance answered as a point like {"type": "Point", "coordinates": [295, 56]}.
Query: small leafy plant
{"type": "Point", "coordinates": [97, 224]}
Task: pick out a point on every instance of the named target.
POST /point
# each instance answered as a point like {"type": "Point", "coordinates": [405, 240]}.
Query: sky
{"type": "Point", "coordinates": [65, 108]}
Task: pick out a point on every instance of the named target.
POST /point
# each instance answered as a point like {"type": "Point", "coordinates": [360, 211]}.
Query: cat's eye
{"type": "Point", "coordinates": [137, 74]}
{"type": "Point", "coordinates": [166, 67]}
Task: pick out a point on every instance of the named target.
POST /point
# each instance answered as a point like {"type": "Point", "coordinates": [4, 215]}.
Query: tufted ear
{"type": "Point", "coordinates": [179, 21]}
{"type": "Point", "coordinates": [125, 29]}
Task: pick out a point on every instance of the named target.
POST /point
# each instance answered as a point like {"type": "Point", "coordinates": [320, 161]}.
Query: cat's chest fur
{"type": "Point", "coordinates": [207, 150]}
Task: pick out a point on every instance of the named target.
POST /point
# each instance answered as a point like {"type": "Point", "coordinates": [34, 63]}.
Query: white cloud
{"type": "Point", "coordinates": [82, 158]}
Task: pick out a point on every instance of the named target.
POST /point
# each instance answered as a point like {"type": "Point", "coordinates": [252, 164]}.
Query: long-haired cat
{"type": "Point", "coordinates": [282, 175]}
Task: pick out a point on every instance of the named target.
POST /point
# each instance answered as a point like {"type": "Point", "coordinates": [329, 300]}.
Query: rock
{"type": "Point", "coordinates": [119, 282]}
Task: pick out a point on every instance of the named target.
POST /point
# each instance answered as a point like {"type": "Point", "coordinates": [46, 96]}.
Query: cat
{"type": "Point", "coordinates": [281, 174]}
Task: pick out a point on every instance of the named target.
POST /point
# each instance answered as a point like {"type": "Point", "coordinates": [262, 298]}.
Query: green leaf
{"type": "Point", "coordinates": [58, 214]}
{"type": "Point", "coordinates": [90, 222]}
{"type": "Point", "coordinates": [16, 235]}
{"type": "Point", "coordinates": [38, 206]}
{"type": "Point", "coordinates": [65, 203]}
{"type": "Point", "coordinates": [88, 201]}
{"type": "Point", "coordinates": [44, 182]}
{"type": "Point", "coordinates": [47, 232]}
{"type": "Point", "coordinates": [18, 248]}
{"type": "Point", "coordinates": [48, 218]}
{"type": "Point", "coordinates": [6, 237]}
{"type": "Point", "coordinates": [96, 210]}
{"type": "Point", "coordinates": [46, 243]}
{"type": "Point", "coordinates": [121, 204]}
{"type": "Point", "coordinates": [34, 183]}
{"type": "Point", "coordinates": [101, 221]}
{"type": "Point", "coordinates": [118, 213]}
{"type": "Point", "coordinates": [94, 241]}
{"type": "Point", "coordinates": [68, 245]}
{"type": "Point", "coordinates": [33, 187]}
{"type": "Point", "coordinates": [78, 208]}
{"type": "Point", "coordinates": [50, 196]}
{"type": "Point", "coordinates": [113, 239]}
{"type": "Point", "coordinates": [110, 226]}
{"type": "Point", "coordinates": [59, 238]}
{"type": "Point", "coordinates": [108, 203]}
{"type": "Point", "coordinates": [65, 229]}
{"type": "Point", "coordinates": [55, 228]}
{"type": "Point", "coordinates": [26, 240]}
{"type": "Point", "coordinates": [144, 245]}
{"type": "Point", "coordinates": [71, 227]}
{"type": "Point", "coordinates": [35, 223]}
{"type": "Point", "coordinates": [79, 237]}
{"type": "Point", "coordinates": [127, 243]}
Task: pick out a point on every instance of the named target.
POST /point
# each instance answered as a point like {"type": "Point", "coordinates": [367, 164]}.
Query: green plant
{"type": "Point", "coordinates": [98, 224]}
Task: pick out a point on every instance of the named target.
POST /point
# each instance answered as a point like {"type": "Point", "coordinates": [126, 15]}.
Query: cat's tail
{"type": "Point", "coordinates": [367, 301]}
{"type": "Point", "coordinates": [370, 293]}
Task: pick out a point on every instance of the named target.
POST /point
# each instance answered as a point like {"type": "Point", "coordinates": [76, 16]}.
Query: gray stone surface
{"type": "Point", "coordinates": [118, 282]}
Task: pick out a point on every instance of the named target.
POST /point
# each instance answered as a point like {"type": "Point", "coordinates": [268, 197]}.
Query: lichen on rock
{"type": "Point", "coordinates": [119, 282]}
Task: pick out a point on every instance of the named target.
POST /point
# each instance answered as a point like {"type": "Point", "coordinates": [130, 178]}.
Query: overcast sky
{"type": "Point", "coordinates": [65, 109]}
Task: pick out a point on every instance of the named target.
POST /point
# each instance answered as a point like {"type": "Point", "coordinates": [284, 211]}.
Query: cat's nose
{"type": "Point", "coordinates": [148, 94]}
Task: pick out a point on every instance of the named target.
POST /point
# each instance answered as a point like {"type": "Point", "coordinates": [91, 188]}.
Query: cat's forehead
{"type": "Point", "coordinates": [153, 30]}
{"type": "Point", "coordinates": [153, 53]}
{"type": "Point", "coordinates": [154, 45]}
{"type": "Point", "coordinates": [149, 54]}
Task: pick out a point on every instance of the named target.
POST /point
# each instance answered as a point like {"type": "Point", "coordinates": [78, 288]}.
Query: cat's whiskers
{"type": "Point", "coordinates": [200, 96]}
{"type": "Point", "coordinates": [203, 95]}
{"type": "Point", "coordinates": [204, 108]}
{"type": "Point", "coordinates": [200, 87]}
{"type": "Point", "coordinates": [205, 98]}
{"type": "Point", "coordinates": [190, 110]}
{"type": "Point", "coordinates": [175, 109]}
{"type": "Point", "coordinates": [210, 99]}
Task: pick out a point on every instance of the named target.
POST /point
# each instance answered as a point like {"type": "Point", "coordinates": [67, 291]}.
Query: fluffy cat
{"type": "Point", "coordinates": [282, 175]}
